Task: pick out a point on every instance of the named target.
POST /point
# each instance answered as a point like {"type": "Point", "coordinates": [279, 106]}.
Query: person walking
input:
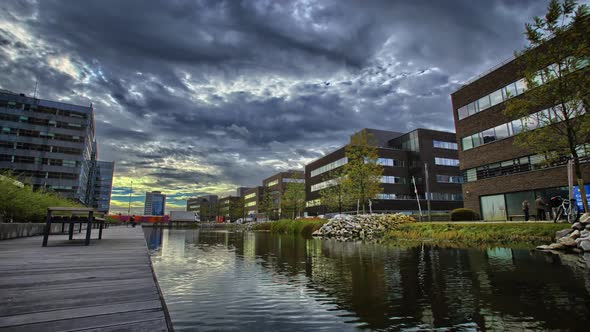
{"type": "Point", "coordinates": [541, 206]}
{"type": "Point", "coordinates": [132, 220]}
{"type": "Point", "coordinates": [525, 210]}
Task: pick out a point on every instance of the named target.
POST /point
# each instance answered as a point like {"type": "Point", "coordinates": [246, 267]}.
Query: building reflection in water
{"type": "Point", "coordinates": [386, 287]}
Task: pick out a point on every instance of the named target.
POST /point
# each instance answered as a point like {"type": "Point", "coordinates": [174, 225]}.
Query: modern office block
{"type": "Point", "coordinates": [498, 175]}
{"type": "Point", "coordinates": [49, 144]}
{"type": "Point", "coordinates": [155, 204]}
{"type": "Point", "coordinates": [103, 185]}
{"type": "Point", "coordinates": [404, 157]}
{"type": "Point", "coordinates": [276, 185]}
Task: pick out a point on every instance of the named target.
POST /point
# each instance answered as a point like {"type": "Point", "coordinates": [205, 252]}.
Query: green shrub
{"type": "Point", "coordinates": [286, 226]}
{"type": "Point", "coordinates": [463, 214]}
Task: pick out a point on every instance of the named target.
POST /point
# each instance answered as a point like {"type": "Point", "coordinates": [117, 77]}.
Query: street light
{"type": "Point", "coordinates": [130, 191]}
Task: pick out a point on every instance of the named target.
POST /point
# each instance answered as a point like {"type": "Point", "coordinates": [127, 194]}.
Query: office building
{"type": "Point", "coordinates": [49, 144]}
{"type": "Point", "coordinates": [498, 175]}
{"type": "Point", "coordinates": [403, 157]}
{"type": "Point", "coordinates": [103, 185]}
{"type": "Point", "coordinates": [276, 185]}
{"type": "Point", "coordinates": [206, 206]}
{"type": "Point", "coordinates": [231, 208]}
{"type": "Point", "coordinates": [252, 199]}
{"type": "Point", "coordinates": [155, 204]}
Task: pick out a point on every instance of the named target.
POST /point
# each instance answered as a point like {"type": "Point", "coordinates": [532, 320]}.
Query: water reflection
{"type": "Point", "coordinates": [258, 281]}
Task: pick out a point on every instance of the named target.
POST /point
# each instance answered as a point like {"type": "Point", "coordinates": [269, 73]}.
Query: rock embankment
{"type": "Point", "coordinates": [361, 227]}
{"type": "Point", "coordinates": [574, 239]}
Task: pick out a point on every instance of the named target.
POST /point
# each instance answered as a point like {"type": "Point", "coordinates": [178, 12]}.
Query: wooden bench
{"type": "Point", "coordinates": [512, 216]}
{"type": "Point", "coordinates": [76, 216]}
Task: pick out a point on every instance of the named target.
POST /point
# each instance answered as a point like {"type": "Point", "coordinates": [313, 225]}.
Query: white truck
{"type": "Point", "coordinates": [183, 216]}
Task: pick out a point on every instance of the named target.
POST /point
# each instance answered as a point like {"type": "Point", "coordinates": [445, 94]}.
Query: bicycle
{"type": "Point", "coordinates": [567, 209]}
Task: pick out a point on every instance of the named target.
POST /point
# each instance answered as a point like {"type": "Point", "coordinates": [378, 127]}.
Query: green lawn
{"type": "Point", "coordinates": [477, 233]}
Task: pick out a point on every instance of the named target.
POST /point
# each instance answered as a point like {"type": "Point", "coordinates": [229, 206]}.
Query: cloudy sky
{"type": "Point", "coordinates": [198, 97]}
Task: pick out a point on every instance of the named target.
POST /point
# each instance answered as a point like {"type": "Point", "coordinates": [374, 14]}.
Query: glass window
{"type": "Point", "coordinates": [509, 91]}
{"type": "Point", "coordinates": [516, 126]}
{"type": "Point", "coordinates": [489, 135]}
{"type": "Point", "coordinates": [467, 143]}
{"type": "Point", "coordinates": [530, 122]}
{"type": "Point", "coordinates": [496, 97]}
{"type": "Point", "coordinates": [470, 175]}
{"type": "Point", "coordinates": [493, 207]}
{"type": "Point", "coordinates": [477, 139]}
{"type": "Point", "coordinates": [472, 108]}
{"type": "Point", "coordinates": [463, 112]}
{"type": "Point", "coordinates": [446, 161]}
{"type": "Point", "coordinates": [514, 202]}
{"type": "Point", "coordinates": [520, 86]}
{"type": "Point", "coordinates": [544, 118]}
{"type": "Point", "coordinates": [501, 131]}
{"type": "Point", "coordinates": [484, 102]}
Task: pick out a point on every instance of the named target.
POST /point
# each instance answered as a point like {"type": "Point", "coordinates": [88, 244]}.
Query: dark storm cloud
{"type": "Point", "coordinates": [232, 91]}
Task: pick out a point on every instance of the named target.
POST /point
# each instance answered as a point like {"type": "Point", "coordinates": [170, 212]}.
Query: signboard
{"type": "Point", "coordinates": [578, 196]}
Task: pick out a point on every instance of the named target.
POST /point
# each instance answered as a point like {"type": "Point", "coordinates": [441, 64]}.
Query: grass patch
{"type": "Point", "coordinates": [287, 226]}
{"type": "Point", "coordinates": [477, 233]}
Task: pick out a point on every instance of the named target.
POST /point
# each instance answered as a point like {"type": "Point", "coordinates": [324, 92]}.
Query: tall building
{"type": "Point", "coordinates": [155, 204]}
{"type": "Point", "coordinates": [51, 144]}
{"type": "Point", "coordinates": [403, 156]}
{"type": "Point", "coordinates": [276, 185]}
{"type": "Point", "coordinates": [241, 190]}
{"type": "Point", "coordinates": [103, 185]}
{"type": "Point", "coordinates": [252, 199]}
{"type": "Point", "coordinates": [498, 175]}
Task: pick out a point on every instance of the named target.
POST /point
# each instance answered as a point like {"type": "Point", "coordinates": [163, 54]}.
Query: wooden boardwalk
{"type": "Point", "coordinates": [106, 286]}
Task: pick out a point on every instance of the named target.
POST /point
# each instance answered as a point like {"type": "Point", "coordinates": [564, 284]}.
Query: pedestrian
{"type": "Point", "coordinates": [525, 210]}
{"type": "Point", "coordinates": [541, 206]}
{"type": "Point", "coordinates": [132, 220]}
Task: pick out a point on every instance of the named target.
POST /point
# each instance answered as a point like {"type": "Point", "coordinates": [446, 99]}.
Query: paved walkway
{"type": "Point", "coordinates": [106, 286]}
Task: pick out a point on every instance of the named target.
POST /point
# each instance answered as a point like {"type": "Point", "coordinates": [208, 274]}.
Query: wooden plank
{"type": "Point", "coordinates": [96, 323]}
{"type": "Point", "coordinates": [108, 286]}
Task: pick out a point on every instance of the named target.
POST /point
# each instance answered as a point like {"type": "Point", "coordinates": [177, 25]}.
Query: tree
{"type": "Point", "coordinates": [336, 198]}
{"type": "Point", "coordinates": [237, 209]}
{"type": "Point", "coordinates": [362, 178]}
{"type": "Point", "coordinates": [293, 200]}
{"type": "Point", "coordinates": [266, 203]}
{"type": "Point", "coordinates": [555, 67]}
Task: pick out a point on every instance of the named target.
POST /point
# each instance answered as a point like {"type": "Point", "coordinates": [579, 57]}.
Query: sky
{"type": "Point", "coordinates": [200, 97]}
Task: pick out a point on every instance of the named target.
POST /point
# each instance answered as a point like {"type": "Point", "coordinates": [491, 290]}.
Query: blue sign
{"type": "Point", "coordinates": [578, 196]}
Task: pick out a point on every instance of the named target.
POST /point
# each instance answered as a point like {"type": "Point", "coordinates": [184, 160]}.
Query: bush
{"type": "Point", "coordinates": [463, 214]}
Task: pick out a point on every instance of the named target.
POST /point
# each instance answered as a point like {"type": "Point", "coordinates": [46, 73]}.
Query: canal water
{"type": "Point", "coordinates": [234, 281]}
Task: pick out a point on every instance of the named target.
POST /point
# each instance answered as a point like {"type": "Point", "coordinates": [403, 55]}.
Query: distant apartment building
{"type": "Point", "coordinates": [276, 185]}
{"type": "Point", "coordinates": [49, 144]}
{"type": "Point", "coordinates": [252, 199]}
{"type": "Point", "coordinates": [231, 208]}
{"type": "Point", "coordinates": [498, 175]}
{"type": "Point", "coordinates": [103, 185]}
{"type": "Point", "coordinates": [403, 157]}
{"type": "Point", "coordinates": [155, 204]}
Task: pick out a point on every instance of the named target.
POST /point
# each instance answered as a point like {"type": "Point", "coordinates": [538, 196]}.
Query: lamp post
{"type": "Point", "coordinates": [129, 207]}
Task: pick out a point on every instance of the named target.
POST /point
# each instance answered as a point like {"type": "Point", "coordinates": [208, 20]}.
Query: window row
{"type": "Point", "coordinates": [530, 122]}
{"type": "Point", "coordinates": [39, 147]}
{"type": "Point", "coordinates": [324, 184]}
{"type": "Point", "coordinates": [449, 178]}
{"type": "Point", "coordinates": [329, 167]}
{"type": "Point", "coordinates": [516, 88]}
{"type": "Point", "coordinates": [40, 122]}
{"type": "Point", "coordinates": [390, 162]}
{"type": "Point", "coordinates": [247, 204]}
{"type": "Point", "coordinates": [394, 196]}
{"type": "Point", "coordinates": [251, 195]}
{"type": "Point", "coordinates": [38, 160]}
{"type": "Point", "coordinates": [518, 165]}
{"type": "Point", "coordinates": [41, 134]}
{"type": "Point", "coordinates": [45, 175]}
{"type": "Point", "coordinates": [444, 145]}
{"type": "Point", "coordinates": [272, 183]}
{"type": "Point", "coordinates": [393, 179]}
{"type": "Point", "coordinates": [313, 202]}
{"type": "Point", "coordinates": [40, 109]}
{"type": "Point", "coordinates": [446, 161]}
{"type": "Point", "coordinates": [292, 180]}
{"type": "Point", "coordinates": [445, 197]}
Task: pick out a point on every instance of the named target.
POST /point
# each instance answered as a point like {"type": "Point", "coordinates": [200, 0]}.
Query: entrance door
{"type": "Point", "coordinates": [493, 208]}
